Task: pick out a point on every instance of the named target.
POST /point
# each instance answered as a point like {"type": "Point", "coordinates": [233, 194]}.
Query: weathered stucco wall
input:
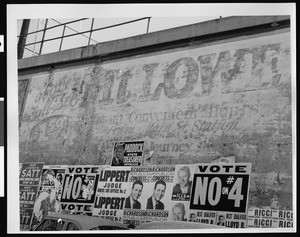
{"type": "Point", "coordinates": [194, 104]}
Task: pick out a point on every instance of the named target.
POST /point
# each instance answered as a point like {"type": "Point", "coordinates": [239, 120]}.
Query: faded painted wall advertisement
{"type": "Point", "coordinates": [50, 190]}
{"type": "Point", "coordinates": [128, 153]}
{"type": "Point", "coordinates": [221, 187]}
{"type": "Point", "coordinates": [111, 193]}
{"type": "Point", "coordinates": [148, 195]}
{"type": "Point", "coordinates": [79, 189]}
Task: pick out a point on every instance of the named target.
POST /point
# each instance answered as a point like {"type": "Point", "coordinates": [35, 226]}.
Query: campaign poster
{"type": "Point", "coordinates": [128, 153]}
{"type": "Point", "coordinates": [203, 217]}
{"type": "Point", "coordinates": [221, 187]}
{"type": "Point", "coordinates": [30, 174]}
{"type": "Point", "coordinates": [226, 159]}
{"type": "Point", "coordinates": [111, 193]}
{"type": "Point", "coordinates": [27, 196]}
{"type": "Point", "coordinates": [29, 180]}
{"type": "Point", "coordinates": [269, 218]}
{"type": "Point", "coordinates": [79, 189]}
{"type": "Point", "coordinates": [25, 218]}
{"type": "Point", "coordinates": [148, 194]}
{"type": "Point", "coordinates": [179, 211]}
{"type": "Point", "coordinates": [231, 219]}
{"type": "Point", "coordinates": [49, 193]}
{"type": "Point", "coordinates": [182, 184]}
{"type": "Point", "coordinates": [20, 168]}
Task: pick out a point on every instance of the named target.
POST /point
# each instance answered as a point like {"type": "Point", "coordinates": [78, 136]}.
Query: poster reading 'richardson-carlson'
{"type": "Point", "coordinates": [29, 180]}
{"type": "Point", "coordinates": [148, 195]}
{"type": "Point", "coordinates": [79, 189]}
{"type": "Point", "coordinates": [111, 193]}
{"type": "Point", "coordinates": [221, 187]}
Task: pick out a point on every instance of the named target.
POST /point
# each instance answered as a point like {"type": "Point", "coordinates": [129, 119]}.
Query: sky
{"type": "Point", "coordinates": [163, 16]}
{"type": "Point", "coordinates": [117, 32]}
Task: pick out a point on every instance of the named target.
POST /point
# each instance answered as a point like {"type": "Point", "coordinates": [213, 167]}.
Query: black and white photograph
{"type": "Point", "coordinates": [174, 117]}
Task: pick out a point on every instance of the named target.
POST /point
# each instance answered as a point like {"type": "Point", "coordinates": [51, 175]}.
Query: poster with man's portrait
{"type": "Point", "coordinates": [128, 153]}
{"type": "Point", "coordinates": [182, 182]}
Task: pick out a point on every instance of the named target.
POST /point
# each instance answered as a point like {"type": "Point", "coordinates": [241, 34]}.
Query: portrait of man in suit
{"type": "Point", "coordinates": [158, 193]}
{"type": "Point", "coordinates": [118, 157]}
{"type": "Point", "coordinates": [178, 212]}
{"type": "Point", "coordinates": [221, 220]}
{"type": "Point", "coordinates": [132, 200]}
{"type": "Point", "coordinates": [192, 217]}
{"type": "Point", "coordinates": [184, 184]}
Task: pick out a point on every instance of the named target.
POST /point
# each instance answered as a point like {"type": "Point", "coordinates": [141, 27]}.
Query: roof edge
{"type": "Point", "coordinates": [154, 38]}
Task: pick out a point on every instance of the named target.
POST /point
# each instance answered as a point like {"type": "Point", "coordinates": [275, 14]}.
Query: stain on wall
{"type": "Point", "coordinates": [190, 105]}
{"type": "Point", "coordinates": [22, 88]}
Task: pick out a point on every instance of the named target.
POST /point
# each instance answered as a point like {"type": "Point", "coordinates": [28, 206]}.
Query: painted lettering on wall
{"type": "Point", "coordinates": [243, 70]}
{"type": "Point", "coordinates": [54, 127]}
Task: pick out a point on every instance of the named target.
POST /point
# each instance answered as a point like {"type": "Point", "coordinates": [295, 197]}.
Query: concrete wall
{"type": "Point", "coordinates": [198, 103]}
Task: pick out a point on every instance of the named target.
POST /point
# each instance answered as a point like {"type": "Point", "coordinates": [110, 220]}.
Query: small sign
{"type": "Point", "coordinates": [128, 153]}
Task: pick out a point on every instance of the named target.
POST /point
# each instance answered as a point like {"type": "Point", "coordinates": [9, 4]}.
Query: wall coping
{"type": "Point", "coordinates": [145, 40]}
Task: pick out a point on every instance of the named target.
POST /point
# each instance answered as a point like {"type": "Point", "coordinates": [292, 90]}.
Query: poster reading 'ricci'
{"type": "Point", "coordinates": [268, 218]}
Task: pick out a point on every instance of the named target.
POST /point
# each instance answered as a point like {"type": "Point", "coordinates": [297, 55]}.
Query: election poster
{"type": "Point", "coordinates": [226, 159]}
{"type": "Point", "coordinates": [203, 217]}
{"type": "Point", "coordinates": [20, 168]}
{"type": "Point", "coordinates": [148, 194]}
{"type": "Point", "coordinates": [27, 199]}
{"type": "Point", "coordinates": [25, 218]}
{"type": "Point", "coordinates": [111, 193]}
{"type": "Point", "coordinates": [27, 196]}
{"type": "Point", "coordinates": [221, 187]}
{"type": "Point", "coordinates": [79, 189]}
{"type": "Point", "coordinates": [182, 185]}
{"type": "Point", "coordinates": [231, 219]}
{"type": "Point", "coordinates": [269, 218]}
{"type": "Point", "coordinates": [128, 153]}
{"type": "Point", "coordinates": [30, 174]}
{"type": "Point", "coordinates": [29, 180]}
{"type": "Point", "coordinates": [179, 211]}
{"type": "Point", "coordinates": [50, 190]}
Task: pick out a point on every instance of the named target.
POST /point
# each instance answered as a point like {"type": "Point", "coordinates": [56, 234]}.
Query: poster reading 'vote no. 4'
{"type": "Point", "coordinates": [221, 187]}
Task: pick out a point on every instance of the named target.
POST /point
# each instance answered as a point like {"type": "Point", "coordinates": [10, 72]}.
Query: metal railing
{"type": "Point", "coordinates": [65, 26]}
